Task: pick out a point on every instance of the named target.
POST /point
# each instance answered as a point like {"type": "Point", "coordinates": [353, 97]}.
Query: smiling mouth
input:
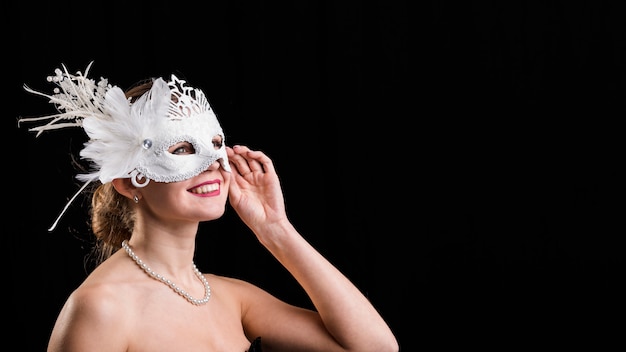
{"type": "Point", "coordinates": [204, 189]}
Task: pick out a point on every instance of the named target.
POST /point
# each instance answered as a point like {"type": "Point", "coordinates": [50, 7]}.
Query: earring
{"type": "Point", "coordinates": [136, 199]}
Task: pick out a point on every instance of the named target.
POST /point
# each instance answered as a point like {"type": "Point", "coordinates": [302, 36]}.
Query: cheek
{"type": "Point", "coordinates": [227, 177]}
{"type": "Point", "coordinates": [162, 194]}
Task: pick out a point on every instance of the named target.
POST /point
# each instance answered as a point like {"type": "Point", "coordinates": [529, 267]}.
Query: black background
{"type": "Point", "coordinates": [460, 162]}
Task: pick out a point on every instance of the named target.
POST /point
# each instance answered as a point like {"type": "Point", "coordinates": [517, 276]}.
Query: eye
{"type": "Point", "coordinates": [217, 142]}
{"type": "Point", "coordinates": [182, 148]}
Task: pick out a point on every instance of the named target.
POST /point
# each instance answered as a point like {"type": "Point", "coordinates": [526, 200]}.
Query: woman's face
{"type": "Point", "coordinates": [200, 198]}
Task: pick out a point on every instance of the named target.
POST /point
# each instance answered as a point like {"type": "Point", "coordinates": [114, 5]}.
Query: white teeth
{"type": "Point", "coordinates": [206, 188]}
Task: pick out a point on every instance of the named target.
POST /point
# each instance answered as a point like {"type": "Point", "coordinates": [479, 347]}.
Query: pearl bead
{"type": "Point", "coordinates": [173, 286]}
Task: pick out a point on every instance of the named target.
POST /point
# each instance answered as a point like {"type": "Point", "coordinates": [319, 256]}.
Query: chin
{"type": "Point", "coordinates": [214, 213]}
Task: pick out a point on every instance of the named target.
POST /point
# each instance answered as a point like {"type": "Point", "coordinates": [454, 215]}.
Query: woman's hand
{"type": "Point", "coordinates": [255, 191]}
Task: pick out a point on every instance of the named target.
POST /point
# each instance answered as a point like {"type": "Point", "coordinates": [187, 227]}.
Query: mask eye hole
{"type": "Point", "coordinates": [218, 141]}
{"type": "Point", "coordinates": [182, 148]}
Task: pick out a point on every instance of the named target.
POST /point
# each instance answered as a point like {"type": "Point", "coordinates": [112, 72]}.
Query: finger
{"type": "Point", "coordinates": [253, 164]}
{"type": "Point", "coordinates": [239, 163]}
{"type": "Point", "coordinates": [258, 161]}
{"type": "Point", "coordinates": [247, 160]}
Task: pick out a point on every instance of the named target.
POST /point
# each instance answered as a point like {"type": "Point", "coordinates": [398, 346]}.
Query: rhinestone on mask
{"type": "Point", "coordinates": [147, 144]}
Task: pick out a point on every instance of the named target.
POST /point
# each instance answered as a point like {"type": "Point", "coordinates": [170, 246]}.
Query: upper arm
{"type": "Point", "coordinates": [281, 325]}
{"type": "Point", "coordinates": [90, 320]}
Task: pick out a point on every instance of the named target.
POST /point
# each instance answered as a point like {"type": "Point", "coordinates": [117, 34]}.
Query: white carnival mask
{"type": "Point", "coordinates": [131, 140]}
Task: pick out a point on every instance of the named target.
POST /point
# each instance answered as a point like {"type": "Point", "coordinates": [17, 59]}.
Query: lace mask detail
{"type": "Point", "coordinates": [132, 140]}
{"type": "Point", "coordinates": [168, 114]}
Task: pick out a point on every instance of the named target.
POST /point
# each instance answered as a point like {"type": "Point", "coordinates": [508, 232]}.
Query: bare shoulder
{"type": "Point", "coordinates": [96, 301]}
{"type": "Point", "coordinates": [90, 313]}
{"type": "Point", "coordinates": [253, 300]}
{"type": "Point", "coordinates": [235, 287]}
{"type": "Point", "coordinates": [278, 322]}
{"type": "Point", "coordinates": [93, 313]}
{"type": "Point", "coordinates": [106, 295]}
{"type": "Point", "coordinates": [227, 281]}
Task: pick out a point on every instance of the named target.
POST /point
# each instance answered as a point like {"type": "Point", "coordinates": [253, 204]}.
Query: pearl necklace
{"type": "Point", "coordinates": [173, 286]}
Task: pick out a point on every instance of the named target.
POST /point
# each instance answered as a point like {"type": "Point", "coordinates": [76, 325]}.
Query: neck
{"type": "Point", "coordinates": [169, 256]}
{"type": "Point", "coordinates": [168, 247]}
{"type": "Point", "coordinates": [165, 279]}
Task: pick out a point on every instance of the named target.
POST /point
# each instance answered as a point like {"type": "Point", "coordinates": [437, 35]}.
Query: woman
{"type": "Point", "coordinates": [161, 166]}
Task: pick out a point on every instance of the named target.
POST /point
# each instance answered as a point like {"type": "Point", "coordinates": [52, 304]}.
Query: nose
{"type": "Point", "coordinates": [214, 166]}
